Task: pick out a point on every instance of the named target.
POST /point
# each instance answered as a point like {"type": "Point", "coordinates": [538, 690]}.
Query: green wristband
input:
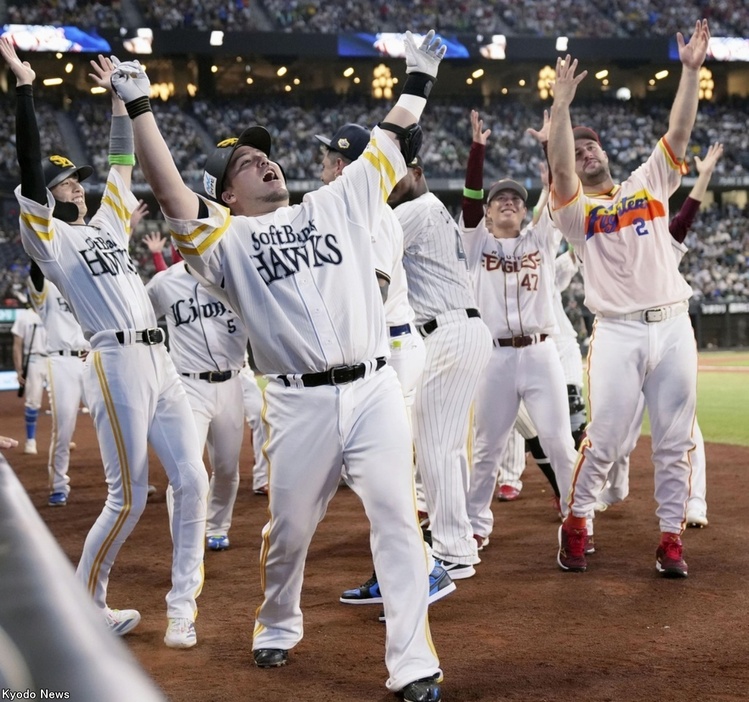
{"type": "Point", "coordinates": [473, 194]}
{"type": "Point", "coordinates": [121, 159]}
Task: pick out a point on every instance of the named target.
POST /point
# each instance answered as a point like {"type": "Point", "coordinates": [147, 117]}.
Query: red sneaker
{"type": "Point", "coordinates": [571, 555]}
{"type": "Point", "coordinates": [669, 559]}
{"type": "Point", "coordinates": [507, 493]}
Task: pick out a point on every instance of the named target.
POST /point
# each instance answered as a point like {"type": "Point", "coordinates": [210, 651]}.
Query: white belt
{"type": "Point", "coordinates": [652, 315]}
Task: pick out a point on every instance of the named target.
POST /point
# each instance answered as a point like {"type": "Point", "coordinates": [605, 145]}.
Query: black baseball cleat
{"type": "Point", "coordinates": [424, 690]}
{"type": "Point", "coordinates": [270, 657]}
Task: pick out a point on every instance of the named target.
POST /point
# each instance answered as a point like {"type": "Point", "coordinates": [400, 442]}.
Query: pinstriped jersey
{"type": "Point", "coordinates": [434, 259]}
{"type": "Point", "coordinates": [302, 277]}
{"type": "Point", "coordinates": [63, 331]}
{"type": "Point", "coordinates": [388, 253]}
{"type": "Point", "coordinates": [90, 264]}
{"type": "Point", "coordinates": [204, 334]}
{"type": "Point", "coordinates": [23, 326]}
{"type": "Point", "coordinates": [623, 239]}
{"type": "Point", "coordinates": [514, 278]}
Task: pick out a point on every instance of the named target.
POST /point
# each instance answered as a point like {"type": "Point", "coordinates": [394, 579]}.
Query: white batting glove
{"type": "Point", "coordinates": [425, 58]}
{"type": "Point", "coordinates": [130, 81]}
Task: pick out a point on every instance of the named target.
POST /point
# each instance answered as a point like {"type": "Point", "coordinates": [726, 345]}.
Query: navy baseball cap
{"type": "Point", "coordinates": [350, 141]}
{"type": "Point", "coordinates": [215, 166]}
{"type": "Point", "coordinates": [585, 133]}
{"type": "Point", "coordinates": [507, 184]}
{"type": "Point", "coordinates": [57, 168]}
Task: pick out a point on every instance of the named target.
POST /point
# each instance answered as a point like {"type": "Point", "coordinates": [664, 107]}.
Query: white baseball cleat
{"type": "Point", "coordinates": [696, 520]}
{"type": "Point", "coordinates": [30, 447]}
{"type": "Point", "coordinates": [122, 621]}
{"type": "Point", "coordinates": [180, 633]}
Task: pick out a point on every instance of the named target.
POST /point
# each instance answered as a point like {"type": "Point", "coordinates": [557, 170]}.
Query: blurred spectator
{"type": "Point", "coordinates": [80, 13]}
{"type": "Point", "coordinates": [227, 15]}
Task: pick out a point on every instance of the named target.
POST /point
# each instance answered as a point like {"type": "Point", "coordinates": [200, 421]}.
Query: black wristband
{"type": "Point", "coordinates": [138, 106]}
{"type": "Point", "coordinates": [419, 84]}
{"type": "Point", "coordinates": [27, 89]}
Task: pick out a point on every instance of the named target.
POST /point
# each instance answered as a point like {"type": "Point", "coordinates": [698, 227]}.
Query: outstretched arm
{"type": "Point", "coordinates": [28, 145]}
{"type": "Point", "coordinates": [155, 243]}
{"type": "Point", "coordinates": [176, 200]}
{"type": "Point", "coordinates": [684, 109]}
{"type": "Point", "coordinates": [681, 223]}
{"type": "Point", "coordinates": [473, 192]}
{"type": "Point", "coordinates": [422, 63]}
{"type": "Point", "coordinates": [561, 141]}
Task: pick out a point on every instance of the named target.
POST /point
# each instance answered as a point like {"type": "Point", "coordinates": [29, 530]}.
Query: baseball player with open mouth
{"type": "Point", "coordinates": [131, 386]}
{"type": "Point", "coordinates": [302, 280]}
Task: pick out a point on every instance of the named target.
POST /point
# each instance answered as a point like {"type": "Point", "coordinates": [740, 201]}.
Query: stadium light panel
{"type": "Point", "coordinates": [217, 38]}
{"type": "Point", "coordinates": [562, 43]}
{"type": "Point", "coordinates": [477, 73]}
{"type": "Point", "coordinates": [52, 81]}
{"type": "Point", "coordinates": [602, 74]}
{"type": "Point", "coordinates": [661, 75]}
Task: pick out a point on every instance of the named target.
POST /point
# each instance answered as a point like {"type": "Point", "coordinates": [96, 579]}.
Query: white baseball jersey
{"type": "Point", "coordinates": [302, 278]}
{"type": "Point", "coordinates": [23, 326]}
{"type": "Point", "coordinates": [64, 376]}
{"type": "Point", "coordinates": [309, 293]}
{"type": "Point", "coordinates": [630, 224]}
{"type": "Point", "coordinates": [63, 331]}
{"type": "Point", "coordinates": [204, 334]}
{"type": "Point", "coordinates": [565, 267]}
{"type": "Point", "coordinates": [624, 242]}
{"type": "Point", "coordinates": [125, 382]}
{"type": "Point", "coordinates": [90, 264]}
{"type": "Point", "coordinates": [435, 260]}
{"type": "Point", "coordinates": [388, 254]}
{"type": "Point", "coordinates": [28, 325]}
{"type": "Point", "coordinates": [515, 291]}
{"type": "Point", "coordinates": [517, 272]}
{"type": "Point", "coordinates": [457, 349]}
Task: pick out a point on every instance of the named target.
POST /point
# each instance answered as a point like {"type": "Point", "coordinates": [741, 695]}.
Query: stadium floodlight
{"type": "Point", "coordinates": [217, 38]}
{"type": "Point", "coordinates": [52, 81]}
{"type": "Point", "coordinates": [602, 74]}
{"type": "Point", "coordinates": [624, 94]}
{"type": "Point", "coordinates": [661, 75]}
{"type": "Point", "coordinates": [562, 43]}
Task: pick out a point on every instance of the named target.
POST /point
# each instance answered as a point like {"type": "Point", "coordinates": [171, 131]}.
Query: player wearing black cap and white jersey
{"type": "Point", "coordinates": [131, 386]}
{"type": "Point", "coordinates": [302, 280]}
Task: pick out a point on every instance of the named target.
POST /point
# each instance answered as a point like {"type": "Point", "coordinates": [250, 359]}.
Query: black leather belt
{"type": "Point", "coordinates": [213, 376]}
{"type": "Point", "coordinates": [77, 354]}
{"type": "Point", "coordinates": [400, 330]}
{"type": "Point", "coordinates": [338, 375]}
{"type": "Point", "coordinates": [518, 342]}
{"type": "Point", "coordinates": [149, 337]}
{"type": "Point", "coordinates": [427, 328]}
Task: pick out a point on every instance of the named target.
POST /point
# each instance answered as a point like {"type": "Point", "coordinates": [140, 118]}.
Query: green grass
{"type": "Point", "coordinates": [722, 406]}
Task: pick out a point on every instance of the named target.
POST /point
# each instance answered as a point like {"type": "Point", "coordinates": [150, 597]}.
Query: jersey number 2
{"type": "Point", "coordinates": [641, 229]}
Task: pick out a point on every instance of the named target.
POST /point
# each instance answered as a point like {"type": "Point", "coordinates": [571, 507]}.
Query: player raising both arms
{"type": "Point", "coordinates": [642, 340]}
{"type": "Point", "coordinates": [302, 280]}
{"type": "Point", "coordinates": [130, 383]}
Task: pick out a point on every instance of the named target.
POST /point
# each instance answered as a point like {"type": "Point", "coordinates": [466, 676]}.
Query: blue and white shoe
{"type": "Point", "coordinates": [122, 621]}
{"type": "Point", "coordinates": [57, 499]}
{"type": "Point", "coordinates": [367, 593]}
{"type": "Point", "coordinates": [440, 583]}
{"type": "Point", "coordinates": [217, 543]}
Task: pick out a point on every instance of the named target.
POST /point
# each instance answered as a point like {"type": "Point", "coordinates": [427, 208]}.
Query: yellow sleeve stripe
{"type": "Point", "coordinates": [114, 191]}
{"type": "Point", "coordinates": [387, 173]}
{"type": "Point", "coordinates": [38, 297]}
{"type": "Point", "coordinates": [118, 208]}
{"type": "Point", "coordinates": [41, 226]}
{"type": "Point", "coordinates": [673, 161]}
{"type": "Point", "coordinates": [372, 158]}
{"type": "Point", "coordinates": [186, 242]}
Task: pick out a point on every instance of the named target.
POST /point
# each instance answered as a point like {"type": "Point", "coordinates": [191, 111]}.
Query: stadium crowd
{"type": "Point", "coordinates": [622, 18]}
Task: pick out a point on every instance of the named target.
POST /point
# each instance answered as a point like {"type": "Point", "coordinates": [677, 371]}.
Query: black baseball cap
{"type": "Point", "coordinates": [350, 141]}
{"type": "Point", "coordinates": [57, 168]}
{"type": "Point", "coordinates": [585, 133]}
{"type": "Point", "coordinates": [217, 163]}
{"type": "Point", "coordinates": [507, 184]}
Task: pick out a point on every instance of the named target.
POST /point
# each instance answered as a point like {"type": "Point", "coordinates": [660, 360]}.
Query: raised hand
{"type": "Point", "coordinates": [565, 85]}
{"type": "Point", "coordinates": [426, 57]}
{"type": "Point", "coordinates": [21, 69]}
{"type": "Point", "coordinates": [130, 81]}
{"type": "Point", "coordinates": [103, 68]}
{"type": "Point", "coordinates": [155, 242]}
{"type": "Point", "coordinates": [138, 214]}
{"type": "Point", "coordinates": [692, 55]}
{"type": "Point", "coordinates": [542, 135]}
{"type": "Point", "coordinates": [477, 127]}
{"type": "Point", "coordinates": [707, 165]}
